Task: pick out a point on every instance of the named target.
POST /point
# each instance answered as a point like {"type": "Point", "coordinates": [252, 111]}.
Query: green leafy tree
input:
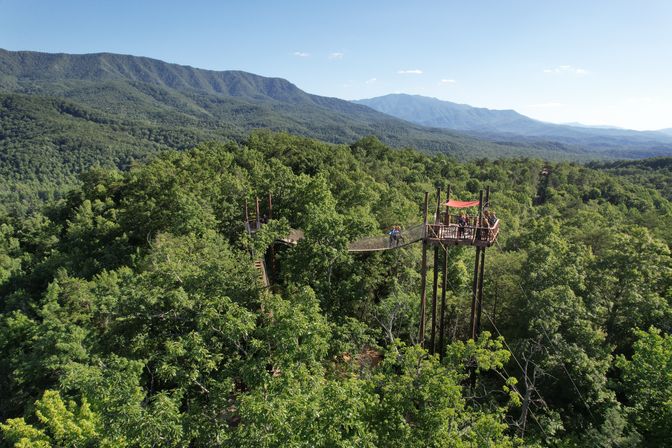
{"type": "Point", "coordinates": [647, 383]}
{"type": "Point", "coordinates": [57, 424]}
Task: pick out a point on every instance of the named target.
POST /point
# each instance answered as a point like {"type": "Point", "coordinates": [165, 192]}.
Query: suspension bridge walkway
{"type": "Point", "coordinates": [444, 231]}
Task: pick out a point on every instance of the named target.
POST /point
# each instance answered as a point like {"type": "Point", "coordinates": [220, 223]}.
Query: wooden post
{"type": "Point", "coordinates": [247, 217]}
{"type": "Point", "coordinates": [446, 220]}
{"type": "Point", "coordinates": [442, 323]}
{"type": "Point", "coordinates": [423, 275]}
{"type": "Point", "coordinates": [474, 293]}
{"type": "Point", "coordinates": [435, 285]}
{"type": "Point", "coordinates": [480, 209]}
{"type": "Point", "coordinates": [269, 217]}
{"type": "Point", "coordinates": [257, 212]}
{"type": "Point", "coordinates": [474, 287]}
{"type": "Point", "coordinates": [481, 274]}
{"type": "Point", "coordinates": [480, 293]}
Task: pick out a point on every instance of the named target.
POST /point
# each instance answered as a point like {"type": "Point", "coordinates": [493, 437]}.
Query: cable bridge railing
{"type": "Point", "coordinates": [407, 236]}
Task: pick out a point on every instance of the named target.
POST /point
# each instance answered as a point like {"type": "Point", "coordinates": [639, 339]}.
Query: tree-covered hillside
{"type": "Point", "coordinates": [655, 173]}
{"type": "Point", "coordinates": [131, 313]}
{"type": "Point", "coordinates": [227, 102]}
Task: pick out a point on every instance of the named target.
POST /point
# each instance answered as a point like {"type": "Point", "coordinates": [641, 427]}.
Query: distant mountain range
{"type": "Point", "coordinates": [510, 126]}
{"type": "Point", "coordinates": [61, 113]}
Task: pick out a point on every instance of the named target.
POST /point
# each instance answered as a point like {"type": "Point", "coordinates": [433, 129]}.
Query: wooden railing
{"type": "Point", "coordinates": [468, 234]}
{"type": "Point", "coordinates": [471, 220]}
{"type": "Point", "coordinates": [488, 234]}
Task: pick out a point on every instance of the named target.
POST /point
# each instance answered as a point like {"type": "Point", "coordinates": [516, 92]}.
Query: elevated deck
{"type": "Point", "coordinates": [469, 235]}
{"type": "Point", "coordinates": [473, 232]}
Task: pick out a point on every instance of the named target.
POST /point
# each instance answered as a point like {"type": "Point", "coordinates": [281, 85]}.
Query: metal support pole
{"type": "Point", "coordinates": [423, 275]}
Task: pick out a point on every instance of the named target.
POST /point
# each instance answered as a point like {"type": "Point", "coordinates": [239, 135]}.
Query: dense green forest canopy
{"type": "Point", "coordinates": [131, 313]}
{"type": "Point", "coordinates": [654, 172]}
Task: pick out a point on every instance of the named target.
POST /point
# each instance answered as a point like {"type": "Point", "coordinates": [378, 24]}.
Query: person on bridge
{"type": "Point", "coordinates": [394, 234]}
{"type": "Point", "coordinates": [400, 237]}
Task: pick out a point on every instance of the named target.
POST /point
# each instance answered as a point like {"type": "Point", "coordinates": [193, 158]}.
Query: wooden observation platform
{"type": "Point", "coordinates": [473, 233]}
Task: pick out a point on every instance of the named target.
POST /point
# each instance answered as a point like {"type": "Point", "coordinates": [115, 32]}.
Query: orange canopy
{"type": "Point", "coordinates": [461, 204]}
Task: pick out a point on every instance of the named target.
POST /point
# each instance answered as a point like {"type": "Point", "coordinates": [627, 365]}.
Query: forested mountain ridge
{"type": "Point", "coordinates": [509, 125]}
{"type": "Point", "coordinates": [131, 314]}
{"type": "Point", "coordinates": [26, 66]}
{"type": "Point", "coordinates": [170, 94]}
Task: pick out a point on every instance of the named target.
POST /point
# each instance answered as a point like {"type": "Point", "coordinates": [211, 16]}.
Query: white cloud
{"type": "Point", "coordinates": [447, 81]}
{"type": "Point", "coordinates": [548, 105]}
{"type": "Point", "coordinates": [301, 54]}
{"type": "Point", "coordinates": [336, 55]}
{"type": "Point", "coordinates": [371, 81]}
{"type": "Point", "coordinates": [640, 100]}
{"type": "Point", "coordinates": [567, 69]}
{"type": "Point", "coordinates": [410, 72]}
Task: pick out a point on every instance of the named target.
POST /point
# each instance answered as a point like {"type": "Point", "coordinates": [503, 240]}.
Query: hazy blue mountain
{"type": "Point", "coordinates": [597, 126]}
{"type": "Point", "coordinates": [667, 131]}
{"type": "Point", "coordinates": [509, 125]}
{"type": "Point", "coordinates": [445, 114]}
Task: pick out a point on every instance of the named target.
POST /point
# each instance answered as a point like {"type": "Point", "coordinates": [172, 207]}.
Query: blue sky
{"type": "Point", "coordinates": [595, 62]}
